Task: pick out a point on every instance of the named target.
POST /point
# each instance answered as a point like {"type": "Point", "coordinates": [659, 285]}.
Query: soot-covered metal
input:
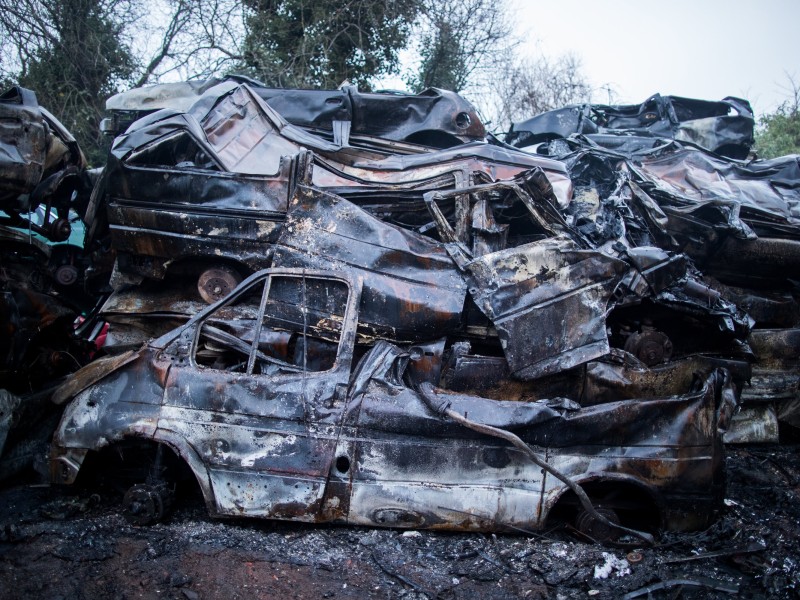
{"type": "Point", "coordinates": [413, 326]}
{"type": "Point", "coordinates": [264, 398]}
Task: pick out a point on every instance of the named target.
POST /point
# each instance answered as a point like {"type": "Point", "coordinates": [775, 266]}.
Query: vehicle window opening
{"type": "Point", "coordinates": [296, 327]}
{"type": "Point", "coordinates": [251, 359]}
{"type": "Point", "coordinates": [486, 218]}
{"type": "Point", "coordinates": [178, 150]}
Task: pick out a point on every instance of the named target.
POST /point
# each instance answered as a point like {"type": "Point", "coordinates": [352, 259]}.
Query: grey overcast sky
{"type": "Point", "coordinates": [705, 49]}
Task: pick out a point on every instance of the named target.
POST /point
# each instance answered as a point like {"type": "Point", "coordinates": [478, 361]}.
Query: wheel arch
{"type": "Point", "coordinates": [624, 493]}
{"type": "Point", "coordinates": [191, 458]}
{"type": "Point", "coordinates": [178, 447]}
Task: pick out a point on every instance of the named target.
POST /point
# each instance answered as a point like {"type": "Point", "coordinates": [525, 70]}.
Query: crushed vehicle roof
{"type": "Point", "coordinates": [724, 127]}
{"type": "Point", "coordinates": [434, 117]}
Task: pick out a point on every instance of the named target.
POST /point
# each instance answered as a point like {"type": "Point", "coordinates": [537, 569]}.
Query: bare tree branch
{"type": "Point", "coordinates": [528, 87]}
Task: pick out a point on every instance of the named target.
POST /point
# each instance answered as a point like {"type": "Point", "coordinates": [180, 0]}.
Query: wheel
{"type": "Point", "coordinates": [145, 504]}
{"type": "Point", "coordinates": [588, 525]}
{"type": "Point", "coordinates": [217, 282]}
{"type": "Point", "coordinates": [650, 346]}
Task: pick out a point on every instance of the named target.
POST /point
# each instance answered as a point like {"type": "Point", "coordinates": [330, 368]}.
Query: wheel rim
{"type": "Point", "coordinates": [586, 523]}
{"type": "Point", "coordinates": [216, 283]}
{"type": "Point", "coordinates": [143, 504]}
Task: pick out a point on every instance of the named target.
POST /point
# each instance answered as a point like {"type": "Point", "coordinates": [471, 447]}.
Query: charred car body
{"type": "Point", "coordinates": [738, 222]}
{"type": "Point", "coordinates": [43, 185]}
{"type": "Point", "coordinates": [43, 181]}
{"type": "Point", "coordinates": [225, 170]}
{"type": "Point", "coordinates": [423, 228]}
{"type": "Point", "coordinates": [275, 417]}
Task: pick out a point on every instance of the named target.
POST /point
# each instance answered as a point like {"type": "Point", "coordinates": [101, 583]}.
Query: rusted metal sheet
{"type": "Point", "coordinates": [620, 376]}
{"type": "Point", "coordinates": [776, 372]}
{"type": "Point", "coordinates": [536, 293]}
{"type": "Point", "coordinates": [90, 375]}
{"type": "Point", "coordinates": [772, 395]}
{"type": "Point", "coordinates": [548, 301]}
{"type": "Point", "coordinates": [755, 424]}
{"type": "Point", "coordinates": [40, 162]}
{"type": "Point", "coordinates": [692, 179]}
{"type": "Point", "coordinates": [736, 221]}
{"type": "Point", "coordinates": [769, 308]}
{"type": "Point", "coordinates": [23, 156]}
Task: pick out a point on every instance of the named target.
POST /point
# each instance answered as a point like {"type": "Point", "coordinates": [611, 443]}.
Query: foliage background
{"type": "Point", "coordinates": [778, 133]}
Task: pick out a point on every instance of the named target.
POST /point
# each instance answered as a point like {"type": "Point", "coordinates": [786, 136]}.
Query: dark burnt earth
{"type": "Point", "coordinates": [58, 545]}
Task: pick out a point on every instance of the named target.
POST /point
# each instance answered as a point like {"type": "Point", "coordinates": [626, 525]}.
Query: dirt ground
{"type": "Point", "coordinates": [74, 545]}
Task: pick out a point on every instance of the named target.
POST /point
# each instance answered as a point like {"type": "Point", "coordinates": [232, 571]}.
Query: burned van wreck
{"type": "Point", "coordinates": [279, 418]}
{"type": "Point", "coordinates": [224, 172]}
{"type": "Point", "coordinates": [422, 228]}
{"type": "Point", "coordinates": [411, 287]}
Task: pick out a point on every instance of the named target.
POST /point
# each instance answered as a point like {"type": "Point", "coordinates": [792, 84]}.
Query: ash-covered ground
{"type": "Point", "coordinates": [73, 545]}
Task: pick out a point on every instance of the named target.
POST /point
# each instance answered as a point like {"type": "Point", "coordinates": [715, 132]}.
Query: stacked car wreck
{"type": "Point", "coordinates": [43, 182]}
{"type": "Point", "coordinates": [449, 333]}
{"type": "Point", "coordinates": [736, 220]}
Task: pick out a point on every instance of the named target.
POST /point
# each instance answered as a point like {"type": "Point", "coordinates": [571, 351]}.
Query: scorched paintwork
{"type": "Point", "coordinates": [304, 431]}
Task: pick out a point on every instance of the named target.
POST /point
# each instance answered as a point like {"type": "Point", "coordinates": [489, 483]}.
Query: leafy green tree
{"type": "Point", "coordinates": [71, 53]}
{"type": "Point", "coordinates": [76, 53]}
{"type": "Point", "coordinates": [778, 134]}
{"type": "Point", "coordinates": [442, 65]}
{"type": "Point", "coordinates": [321, 43]}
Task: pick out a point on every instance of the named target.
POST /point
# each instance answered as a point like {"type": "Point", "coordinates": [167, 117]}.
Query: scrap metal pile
{"type": "Point", "coordinates": [607, 284]}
